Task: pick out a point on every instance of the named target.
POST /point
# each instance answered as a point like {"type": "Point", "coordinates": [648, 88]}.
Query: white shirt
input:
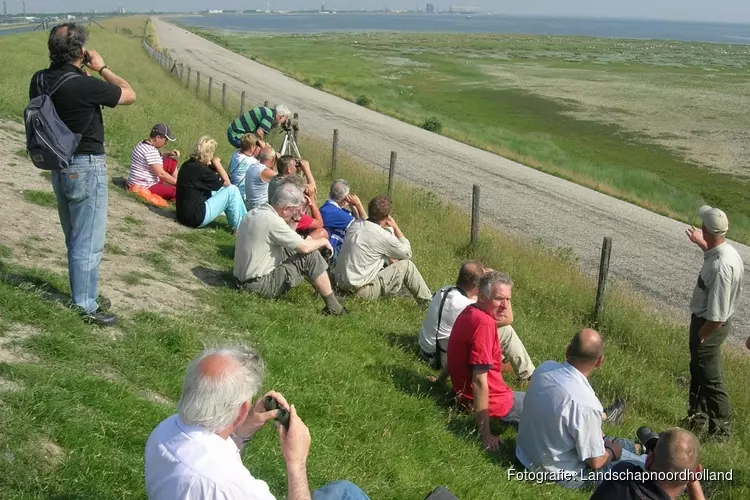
{"type": "Point", "coordinates": [561, 422]}
{"type": "Point", "coordinates": [719, 284]}
{"type": "Point", "coordinates": [185, 462]}
{"type": "Point", "coordinates": [454, 304]}
{"type": "Point", "coordinates": [262, 238]}
{"type": "Point", "coordinates": [144, 157]}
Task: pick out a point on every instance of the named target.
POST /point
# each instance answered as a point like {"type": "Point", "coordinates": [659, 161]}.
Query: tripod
{"type": "Point", "coordinates": [290, 140]}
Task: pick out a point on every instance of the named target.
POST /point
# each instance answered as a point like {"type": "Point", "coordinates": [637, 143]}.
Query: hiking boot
{"type": "Point", "coordinates": [616, 411]}
{"type": "Point", "coordinates": [327, 312]}
{"type": "Point", "coordinates": [100, 317]}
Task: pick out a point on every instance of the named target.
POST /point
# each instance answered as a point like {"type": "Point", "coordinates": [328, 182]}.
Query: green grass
{"type": "Point", "coordinates": [500, 93]}
{"type": "Point", "coordinates": [357, 381]}
{"type": "Point", "coordinates": [41, 198]}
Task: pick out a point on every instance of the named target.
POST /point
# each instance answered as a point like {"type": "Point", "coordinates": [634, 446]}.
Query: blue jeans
{"type": "Point", "coordinates": [628, 455]}
{"type": "Point", "coordinates": [81, 193]}
{"type": "Point", "coordinates": [340, 490]}
{"type": "Point", "coordinates": [227, 199]}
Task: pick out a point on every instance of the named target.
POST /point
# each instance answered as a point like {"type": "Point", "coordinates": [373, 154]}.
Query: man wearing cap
{"type": "Point", "coordinates": [715, 298]}
{"type": "Point", "coordinates": [152, 170]}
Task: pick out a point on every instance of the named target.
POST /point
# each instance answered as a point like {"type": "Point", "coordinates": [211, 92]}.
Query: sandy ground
{"type": "Point", "coordinates": [651, 252]}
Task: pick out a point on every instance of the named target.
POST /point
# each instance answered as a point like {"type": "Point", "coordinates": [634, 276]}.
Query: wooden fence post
{"type": "Point", "coordinates": [182, 71]}
{"type": "Point", "coordinates": [603, 275]}
{"type": "Point", "coordinates": [475, 214]}
{"type": "Point", "coordinates": [295, 130]}
{"type": "Point", "coordinates": [265, 104]}
{"type": "Point", "coordinates": [335, 153]}
{"type": "Point", "coordinates": [210, 87]}
{"type": "Point", "coordinates": [223, 96]}
{"type": "Point", "coordinates": [242, 103]}
{"type": "Point", "coordinates": [391, 174]}
{"type": "Point", "coordinates": [187, 82]}
{"type": "Point", "coordinates": [197, 81]}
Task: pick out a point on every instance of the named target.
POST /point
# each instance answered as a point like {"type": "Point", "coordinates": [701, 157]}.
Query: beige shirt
{"type": "Point", "coordinates": [366, 248]}
{"type": "Point", "coordinates": [262, 238]}
{"type": "Point", "coordinates": [719, 284]}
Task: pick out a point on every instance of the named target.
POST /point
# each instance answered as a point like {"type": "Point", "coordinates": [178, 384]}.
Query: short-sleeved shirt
{"type": "Point", "coordinates": [264, 241]}
{"type": "Point", "coordinates": [144, 156]}
{"type": "Point", "coordinates": [336, 221]}
{"type": "Point", "coordinates": [561, 422]}
{"type": "Point", "coordinates": [624, 489]}
{"type": "Point", "coordinates": [78, 104]}
{"type": "Point", "coordinates": [238, 168]}
{"type": "Point", "coordinates": [261, 117]}
{"type": "Point", "coordinates": [455, 302]}
{"type": "Point", "coordinates": [195, 184]}
{"type": "Point", "coordinates": [719, 285]}
{"type": "Point", "coordinates": [474, 344]}
{"type": "Point", "coordinates": [188, 462]}
{"type": "Point", "coordinates": [255, 187]}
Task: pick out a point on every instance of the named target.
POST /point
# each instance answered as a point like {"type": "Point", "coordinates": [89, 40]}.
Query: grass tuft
{"type": "Point", "coordinates": [41, 198]}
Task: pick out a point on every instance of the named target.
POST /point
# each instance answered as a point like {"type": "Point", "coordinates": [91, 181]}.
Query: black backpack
{"type": "Point", "coordinates": [49, 142]}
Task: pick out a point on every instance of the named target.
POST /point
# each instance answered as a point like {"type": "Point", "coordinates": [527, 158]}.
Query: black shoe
{"type": "Point", "coordinates": [692, 424]}
{"type": "Point", "coordinates": [328, 312]}
{"type": "Point", "coordinates": [100, 317]}
{"type": "Point", "coordinates": [616, 412]}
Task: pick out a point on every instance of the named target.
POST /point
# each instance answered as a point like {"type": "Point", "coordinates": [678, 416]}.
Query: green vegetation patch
{"type": "Point", "coordinates": [42, 198]}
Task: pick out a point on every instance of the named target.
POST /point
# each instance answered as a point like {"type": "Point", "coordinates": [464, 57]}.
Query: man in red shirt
{"type": "Point", "coordinates": [475, 358]}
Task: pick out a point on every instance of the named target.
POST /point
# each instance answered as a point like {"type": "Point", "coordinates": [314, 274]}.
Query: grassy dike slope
{"type": "Point", "coordinates": [608, 114]}
{"type": "Point", "coordinates": [93, 396]}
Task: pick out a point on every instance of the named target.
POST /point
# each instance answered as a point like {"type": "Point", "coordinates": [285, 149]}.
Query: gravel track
{"type": "Point", "coordinates": [649, 251]}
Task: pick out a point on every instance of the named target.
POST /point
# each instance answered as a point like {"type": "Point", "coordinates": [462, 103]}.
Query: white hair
{"type": "Point", "coordinates": [287, 194]}
{"type": "Point", "coordinates": [488, 281]}
{"type": "Point", "coordinates": [339, 190]}
{"type": "Point", "coordinates": [282, 111]}
{"type": "Point", "coordinates": [214, 402]}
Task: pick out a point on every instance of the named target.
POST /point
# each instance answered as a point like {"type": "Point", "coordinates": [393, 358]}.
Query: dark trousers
{"type": "Point", "coordinates": [709, 398]}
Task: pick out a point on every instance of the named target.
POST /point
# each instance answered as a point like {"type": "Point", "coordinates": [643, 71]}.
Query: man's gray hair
{"type": "Point", "coordinates": [214, 402]}
{"type": "Point", "coordinates": [287, 194]}
{"type": "Point", "coordinates": [282, 111]}
{"type": "Point", "coordinates": [339, 190]}
{"type": "Point", "coordinates": [490, 279]}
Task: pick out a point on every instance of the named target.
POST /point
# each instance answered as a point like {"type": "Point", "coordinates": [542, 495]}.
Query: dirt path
{"type": "Point", "coordinates": [650, 251]}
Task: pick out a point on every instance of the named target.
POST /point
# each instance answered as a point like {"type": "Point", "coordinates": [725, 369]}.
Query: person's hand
{"type": "Point", "coordinates": [695, 235]}
{"type": "Point", "coordinates": [311, 190]}
{"type": "Point", "coordinates": [295, 441]}
{"type": "Point", "coordinates": [95, 61]}
{"type": "Point", "coordinates": [328, 246]}
{"type": "Point", "coordinates": [352, 199]}
{"type": "Point", "coordinates": [615, 448]}
{"type": "Point", "coordinates": [303, 164]}
{"type": "Point", "coordinates": [491, 442]}
{"type": "Point", "coordinates": [431, 379]}
{"type": "Point", "coordinates": [175, 154]}
{"type": "Point", "coordinates": [258, 416]}
{"type": "Point", "coordinates": [390, 222]}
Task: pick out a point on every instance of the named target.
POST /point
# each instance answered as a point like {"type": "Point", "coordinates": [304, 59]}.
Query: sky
{"type": "Point", "coordinates": [683, 10]}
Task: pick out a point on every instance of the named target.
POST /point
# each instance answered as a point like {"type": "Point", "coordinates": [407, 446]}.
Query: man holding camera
{"type": "Point", "coordinates": [270, 258]}
{"type": "Point", "coordinates": [714, 302]}
{"type": "Point", "coordinates": [676, 453]}
{"type": "Point", "coordinates": [81, 189]}
{"type": "Point", "coordinates": [195, 454]}
{"type": "Point", "coordinates": [258, 121]}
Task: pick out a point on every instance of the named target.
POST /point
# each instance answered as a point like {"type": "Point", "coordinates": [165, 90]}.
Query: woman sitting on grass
{"type": "Point", "coordinates": [243, 159]}
{"type": "Point", "coordinates": [204, 191]}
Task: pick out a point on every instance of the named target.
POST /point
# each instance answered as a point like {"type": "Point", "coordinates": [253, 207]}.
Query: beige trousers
{"type": "Point", "coordinates": [391, 279]}
{"type": "Point", "coordinates": [515, 352]}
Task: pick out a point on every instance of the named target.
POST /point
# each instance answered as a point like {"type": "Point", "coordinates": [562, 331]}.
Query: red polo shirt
{"type": "Point", "coordinates": [474, 343]}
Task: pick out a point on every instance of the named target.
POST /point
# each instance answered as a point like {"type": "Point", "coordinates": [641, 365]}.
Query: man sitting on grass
{"type": "Point", "coordinates": [475, 358]}
{"type": "Point", "coordinates": [258, 177]}
{"type": "Point", "coordinates": [289, 169]}
{"type": "Point", "coordinates": [152, 170]}
{"type": "Point", "coordinates": [561, 423]}
{"type": "Point", "coordinates": [444, 309]}
{"type": "Point", "coordinates": [336, 217]}
{"type": "Point", "coordinates": [270, 258]}
{"type": "Point", "coordinates": [195, 454]}
{"type": "Point", "coordinates": [375, 262]}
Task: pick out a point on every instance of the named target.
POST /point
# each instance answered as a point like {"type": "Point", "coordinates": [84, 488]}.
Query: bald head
{"type": "Point", "coordinates": [267, 155]}
{"type": "Point", "coordinates": [585, 349]}
{"type": "Point", "coordinates": [217, 366]}
{"type": "Point", "coordinates": [676, 451]}
{"type": "Point", "coordinates": [469, 275]}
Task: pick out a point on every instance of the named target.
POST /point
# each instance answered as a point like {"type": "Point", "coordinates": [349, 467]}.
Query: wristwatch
{"type": "Point", "coordinates": [103, 68]}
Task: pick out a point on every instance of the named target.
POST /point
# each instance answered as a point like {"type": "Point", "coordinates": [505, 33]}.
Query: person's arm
{"type": "Point", "coordinates": [295, 444]}
{"type": "Point", "coordinates": [267, 174]}
{"type": "Point", "coordinates": [597, 463]}
{"type": "Point", "coordinates": [694, 489]}
{"type": "Point", "coordinates": [356, 204]}
{"type": "Point", "coordinates": [260, 133]}
{"type": "Point", "coordinates": [312, 188]}
{"type": "Point", "coordinates": [163, 174]}
{"type": "Point", "coordinates": [695, 235]}
{"type": "Point", "coordinates": [309, 245]}
{"type": "Point", "coordinates": [216, 164]}
{"type": "Point", "coordinates": [481, 391]}
{"type": "Point", "coordinates": [96, 63]}
{"type": "Point", "coordinates": [718, 305]}
{"type": "Point", "coordinates": [398, 248]}
{"type": "Point", "coordinates": [314, 212]}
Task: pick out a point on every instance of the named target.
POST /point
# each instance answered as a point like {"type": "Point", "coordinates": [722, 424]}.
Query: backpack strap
{"type": "Point", "coordinates": [40, 83]}
{"type": "Point", "coordinates": [438, 349]}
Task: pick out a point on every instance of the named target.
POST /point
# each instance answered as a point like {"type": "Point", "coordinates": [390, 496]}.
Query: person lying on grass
{"type": "Point", "coordinates": [150, 168]}
{"type": "Point", "coordinates": [375, 259]}
{"type": "Point", "coordinates": [270, 258]}
{"type": "Point", "coordinates": [298, 171]}
{"type": "Point", "coordinates": [204, 191]}
{"type": "Point", "coordinates": [195, 454]}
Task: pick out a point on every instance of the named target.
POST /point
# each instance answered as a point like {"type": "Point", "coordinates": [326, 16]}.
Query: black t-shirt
{"type": "Point", "coordinates": [629, 489]}
{"type": "Point", "coordinates": [195, 181]}
{"type": "Point", "coordinates": [78, 104]}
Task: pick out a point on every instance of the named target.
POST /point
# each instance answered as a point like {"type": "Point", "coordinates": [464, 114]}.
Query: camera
{"type": "Point", "coordinates": [271, 404]}
{"type": "Point", "coordinates": [326, 253]}
{"type": "Point", "coordinates": [86, 57]}
{"type": "Point", "coordinates": [290, 124]}
{"type": "Point", "coordinates": [647, 438]}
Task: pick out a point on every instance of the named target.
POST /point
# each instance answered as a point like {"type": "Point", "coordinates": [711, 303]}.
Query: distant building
{"type": "Point", "coordinates": [430, 8]}
{"type": "Point", "coordinates": [121, 9]}
{"type": "Point", "coordinates": [215, 11]}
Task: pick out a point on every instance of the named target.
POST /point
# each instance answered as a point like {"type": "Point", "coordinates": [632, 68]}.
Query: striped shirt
{"type": "Point", "coordinates": [257, 118]}
{"type": "Point", "coordinates": [141, 173]}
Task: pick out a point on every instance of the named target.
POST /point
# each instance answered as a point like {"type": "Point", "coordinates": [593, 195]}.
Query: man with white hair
{"type": "Point", "coordinates": [259, 175]}
{"type": "Point", "coordinates": [336, 217]}
{"type": "Point", "coordinates": [270, 258]}
{"type": "Point", "coordinates": [195, 454]}
{"type": "Point", "coordinates": [714, 302]}
{"type": "Point", "coordinates": [258, 121]}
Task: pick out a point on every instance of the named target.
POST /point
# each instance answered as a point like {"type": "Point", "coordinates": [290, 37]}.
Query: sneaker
{"type": "Point", "coordinates": [616, 411]}
{"type": "Point", "coordinates": [100, 317]}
